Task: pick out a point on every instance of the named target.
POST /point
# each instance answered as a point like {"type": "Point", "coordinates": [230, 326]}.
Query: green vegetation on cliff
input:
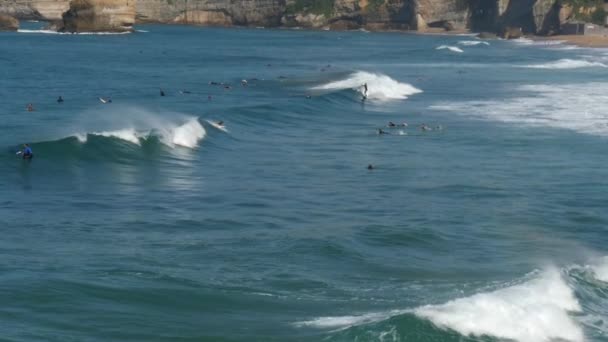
{"type": "Point", "coordinates": [325, 7]}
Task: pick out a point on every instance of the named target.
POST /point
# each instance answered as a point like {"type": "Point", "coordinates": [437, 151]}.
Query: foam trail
{"type": "Point", "coordinates": [380, 86]}
{"type": "Point", "coordinates": [451, 48]}
{"type": "Point", "coordinates": [534, 311]}
{"type": "Point", "coordinates": [567, 64]}
{"type": "Point", "coordinates": [472, 42]}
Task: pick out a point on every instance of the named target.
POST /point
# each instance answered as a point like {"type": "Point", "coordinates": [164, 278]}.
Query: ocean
{"type": "Point", "coordinates": [483, 217]}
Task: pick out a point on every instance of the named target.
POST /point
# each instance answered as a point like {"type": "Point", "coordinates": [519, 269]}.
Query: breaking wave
{"type": "Point", "coordinates": [567, 64]}
{"type": "Point", "coordinates": [185, 135]}
{"type": "Point", "coordinates": [451, 48]}
{"type": "Point", "coordinates": [380, 86]}
{"type": "Point", "coordinates": [534, 311]}
{"type": "Point", "coordinates": [542, 306]}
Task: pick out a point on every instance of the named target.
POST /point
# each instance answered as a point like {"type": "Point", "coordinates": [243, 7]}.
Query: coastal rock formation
{"type": "Point", "coordinates": [531, 16]}
{"type": "Point", "coordinates": [35, 9]}
{"type": "Point", "coordinates": [212, 12]}
{"type": "Point", "coordinates": [8, 23]}
{"type": "Point", "coordinates": [99, 16]}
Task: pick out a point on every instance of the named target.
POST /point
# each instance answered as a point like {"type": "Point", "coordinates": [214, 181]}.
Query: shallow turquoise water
{"type": "Point", "coordinates": [139, 221]}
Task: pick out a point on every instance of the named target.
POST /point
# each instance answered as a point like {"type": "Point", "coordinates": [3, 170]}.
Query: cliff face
{"type": "Point", "coordinates": [528, 16]}
{"type": "Point", "coordinates": [8, 23]}
{"type": "Point", "coordinates": [212, 12]}
{"type": "Point", "coordinates": [99, 15]}
{"type": "Point", "coordinates": [35, 9]}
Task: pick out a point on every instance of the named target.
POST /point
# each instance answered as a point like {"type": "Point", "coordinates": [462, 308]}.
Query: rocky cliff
{"type": "Point", "coordinates": [527, 16]}
{"type": "Point", "coordinates": [99, 15]}
{"type": "Point", "coordinates": [35, 9]}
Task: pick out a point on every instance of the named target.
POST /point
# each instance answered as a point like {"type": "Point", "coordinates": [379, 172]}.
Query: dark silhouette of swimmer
{"type": "Point", "coordinates": [220, 123]}
{"type": "Point", "coordinates": [370, 167]}
{"type": "Point", "coordinates": [391, 124]}
{"type": "Point", "coordinates": [30, 107]}
{"type": "Point", "coordinates": [60, 99]}
{"type": "Point", "coordinates": [162, 93]}
{"type": "Point", "coordinates": [365, 89]}
{"type": "Point", "coordinates": [380, 131]}
{"type": "Point", "coordinates": [208, 97]}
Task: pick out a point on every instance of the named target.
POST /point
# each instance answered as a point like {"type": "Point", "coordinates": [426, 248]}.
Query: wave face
{"type": "Point", "coordinates": [380, 86]}
{"type": "Point", "coordinates": [567, 64]}
{"type": "Point", "coordinates": [528, 312]}
{"type": "Point", "coordinates": [451, 48]}
{"type": "Point", "coordinates": [544, 105]}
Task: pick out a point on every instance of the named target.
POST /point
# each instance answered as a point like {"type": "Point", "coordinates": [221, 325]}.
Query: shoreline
{"type": "Point", "coordinates": [577, 40]}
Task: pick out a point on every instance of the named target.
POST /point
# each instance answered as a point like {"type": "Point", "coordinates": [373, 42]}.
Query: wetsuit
{"type": "Point", "coordinates": [27, 153]}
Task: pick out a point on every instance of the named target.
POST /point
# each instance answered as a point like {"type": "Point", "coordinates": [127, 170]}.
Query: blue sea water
{"type": "Point", "coordinates": [138, 220]}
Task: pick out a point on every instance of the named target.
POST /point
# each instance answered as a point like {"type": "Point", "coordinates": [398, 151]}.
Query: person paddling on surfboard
{"type": "Point", "coordinates": [27, 152]}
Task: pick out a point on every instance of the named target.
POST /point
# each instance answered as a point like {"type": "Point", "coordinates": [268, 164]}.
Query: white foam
{"type": "Point", "coordinates": [534, 311]}
{"type": "Point", "coordinates": [451, 48]}
{"type": "Point", "coordinates": [69, 33]}
{"type": "Point", "coordinates": [577, 107]}
{"type": "Point", "coordinates": [188, 134]}
{"type": "Point", "coordinates": [379, 86]}
{"type": "Point", "coordinates": [567, 64]}
{"type": "Point", "coordinates": [472, 42]}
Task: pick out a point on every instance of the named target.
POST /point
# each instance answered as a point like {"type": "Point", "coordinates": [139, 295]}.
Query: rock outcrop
{"type": "Point", "coordinates": [99, 16]}
{"type": "Point", "coordinates": [8, 23]}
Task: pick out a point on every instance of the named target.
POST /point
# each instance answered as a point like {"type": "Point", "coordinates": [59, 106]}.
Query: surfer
{"type": "Point", "coordinates": [30, 107]}
{"type": "Point", "coordinates": [370, 167]}
{"type": "Point", "coordinates": [60, 99]}
{"type": "Point", "coordinates": [220, 123]}
{"type": "Point", "coordinates": [244, 83]}
{"type": "Point", "coordinates": [380, 131]}
{"type": "Point", "coordinates": [391, 124]}
{"type": "Point", "coordinates": [27, 152]}
{"type": "Point", "coordinates": [364, 97]}
{"type": "Point", "coordinates": [162, 93]}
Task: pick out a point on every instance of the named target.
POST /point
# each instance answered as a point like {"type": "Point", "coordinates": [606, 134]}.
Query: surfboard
{"type": "Point", "coordinates": [102, 100]}
{"type": "Point", "coordinates": [220, 127]}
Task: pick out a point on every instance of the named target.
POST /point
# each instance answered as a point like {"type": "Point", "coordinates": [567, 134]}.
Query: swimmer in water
{"type": "Point", "coordinates": [425, 128]}
{"type": "Point", "coordinates": [380, 131]}
{"type": "Point", "coordinates": [391, 124]}
{"type": "Point", "coordinates": [162, 93]}
{"type": "Point", "coordinates": [30, 107]}
{"type": "Point", "coordinates": [60, 99]}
